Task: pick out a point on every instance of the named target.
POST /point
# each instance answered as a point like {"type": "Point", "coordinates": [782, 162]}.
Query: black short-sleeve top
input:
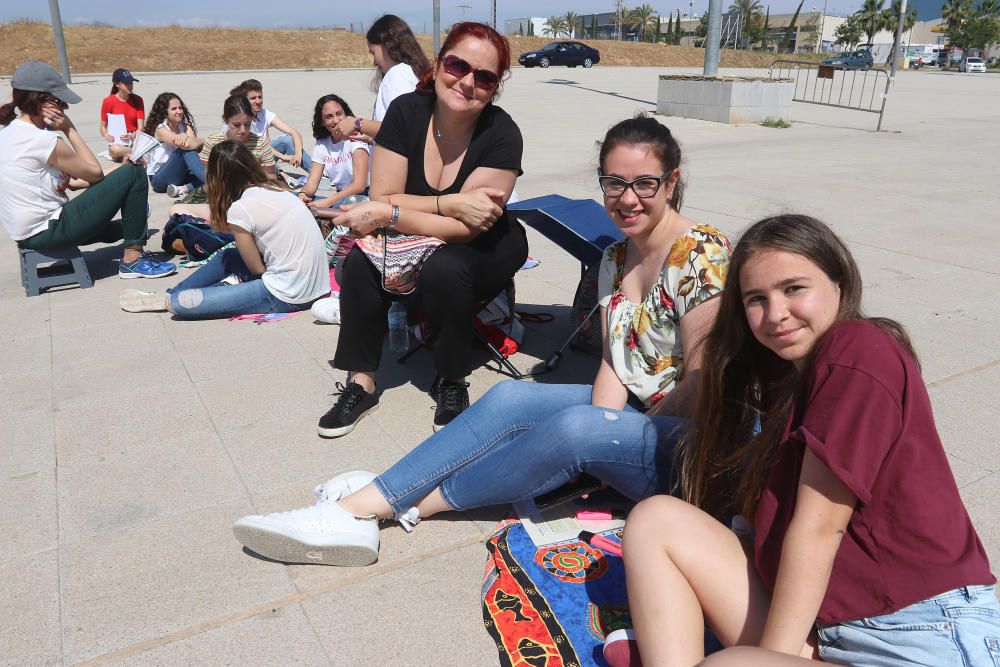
{"type": "Point", "coordinates": [496, 143]}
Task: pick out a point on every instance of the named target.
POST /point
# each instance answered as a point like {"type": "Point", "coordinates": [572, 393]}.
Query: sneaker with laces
{"type": "Point", "coordinates": [343, 485]}
{"type": "Point", "coordinates": [354, 403]}
{"type": "Point", "coordinates": [324, 534]}
{"type": "Point", "coordinates": [138, 301]}
{"type": "Point", "coordinates": [175, 191]}
{"type": "Point", "coordinates": [452, 399]}
{"type": "Point", "coordinates": [621, 649]}
{"type": "Point", "coordinates": [146, 266]}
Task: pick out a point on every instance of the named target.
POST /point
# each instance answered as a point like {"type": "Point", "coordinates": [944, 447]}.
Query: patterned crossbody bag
{"type": "Point", "coordinates": [398, 257]}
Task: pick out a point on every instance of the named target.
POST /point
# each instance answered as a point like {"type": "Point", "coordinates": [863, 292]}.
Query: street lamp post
{"type": "Point", "coordinates": [437, 26]}
{"type": "Point", "coordinates": [57, 33]}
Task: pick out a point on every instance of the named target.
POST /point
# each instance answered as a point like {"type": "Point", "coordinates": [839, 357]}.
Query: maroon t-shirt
{"type": "Point", "coordinates": [864, 412]}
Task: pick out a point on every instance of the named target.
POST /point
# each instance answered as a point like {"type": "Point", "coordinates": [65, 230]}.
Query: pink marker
{"type": "Point", "coordinates": [611, 546]}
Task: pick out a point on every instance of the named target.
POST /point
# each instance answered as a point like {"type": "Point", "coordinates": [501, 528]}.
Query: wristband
{"type": "Point", "coordinates": [394, 220]}
{"type": "Point", "coordinates": [357, 125]}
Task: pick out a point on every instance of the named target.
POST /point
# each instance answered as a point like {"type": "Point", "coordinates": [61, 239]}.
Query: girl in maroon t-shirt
{"type": "Point", "coordinates": [814, 423]}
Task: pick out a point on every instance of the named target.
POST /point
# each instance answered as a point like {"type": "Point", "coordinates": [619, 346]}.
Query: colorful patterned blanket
{"type": "Point", "coordinates": [551, 606]}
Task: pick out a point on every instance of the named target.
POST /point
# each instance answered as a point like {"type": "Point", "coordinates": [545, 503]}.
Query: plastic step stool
{"type": "Point", "coordinates": [71, 258]}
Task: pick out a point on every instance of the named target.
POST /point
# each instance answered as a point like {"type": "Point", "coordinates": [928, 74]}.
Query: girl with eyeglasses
{"type": "Point", "coordinates": [444, 166]}
{"type": "Point", "coordinates": [44, 157]}
{"type": "Point", "coordinates": [657, 290]}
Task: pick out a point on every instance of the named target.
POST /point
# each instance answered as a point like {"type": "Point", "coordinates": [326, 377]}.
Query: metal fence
{"type": "Point", "coordinates": [831, 86]}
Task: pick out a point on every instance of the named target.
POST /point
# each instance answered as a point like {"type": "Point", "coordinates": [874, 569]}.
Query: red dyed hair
{"type": "Point", "coordinates": [461, 31]}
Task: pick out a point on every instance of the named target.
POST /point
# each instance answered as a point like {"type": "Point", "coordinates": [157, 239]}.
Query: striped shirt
{"type": "Point", "coordinates": [259, 146]}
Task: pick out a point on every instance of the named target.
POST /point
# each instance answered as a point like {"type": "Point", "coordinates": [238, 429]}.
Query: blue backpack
{"type": "Point", "coordinates": [198, 237]}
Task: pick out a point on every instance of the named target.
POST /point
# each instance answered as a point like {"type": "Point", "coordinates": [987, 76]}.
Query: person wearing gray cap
{"type": "Point", "coordinates": [39, 166]}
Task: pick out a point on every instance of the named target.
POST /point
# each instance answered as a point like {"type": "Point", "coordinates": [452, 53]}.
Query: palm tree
{"type": "Point", "coordinates": [572, 19]}
{"type": "Point", "coordinates": [872, 17]}
{"type": "Point", "coordinates": [747, 9]}
{"type": "Point", "coordinates": [891, 16]}
{"type": "Point", "coordinates": [554, 26]}
{"type": "Point", "coordinates": [954, 12]}
{"type": "Point", "coordinates": [642, 17]}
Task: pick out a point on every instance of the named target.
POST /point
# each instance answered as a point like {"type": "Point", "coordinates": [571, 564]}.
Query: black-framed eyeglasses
{"type": "Point", "coordinates": [644, 187]}
{"type": "Point", "coordinates": [46, 98]}
{"type": "Point", "coordinates": [460, 69]}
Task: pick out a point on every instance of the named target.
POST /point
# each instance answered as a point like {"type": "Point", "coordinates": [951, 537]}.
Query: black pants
{"type": "Point", "coordinates": [452, 283]}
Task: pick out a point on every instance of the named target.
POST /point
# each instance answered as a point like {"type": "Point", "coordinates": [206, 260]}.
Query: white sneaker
{"type": "Point", "coordinates": [327, 310]}
{"type": "Point", "coordinates": [408, 518]}
{"type": "Point", "coordinates": [138, 301]}
{"type": "Point", "coordinates": [177, 190]}
{"type": "Point", "coordinates": [322, 534]}
{"type": "Point", "coordinates": [343, 485]}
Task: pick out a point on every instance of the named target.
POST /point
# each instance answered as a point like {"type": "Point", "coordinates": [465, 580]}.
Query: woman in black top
{"type": "Point", "coordinates": [444, 165]}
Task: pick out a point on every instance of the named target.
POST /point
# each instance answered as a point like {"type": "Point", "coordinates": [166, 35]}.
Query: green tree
{"type": "Point", "coordinates": [872, 18]}
{"type": "Point", "coordinates": [954, 12]}
{"type": "Point", "coordinates": [892, 21]}
{"type": "Point", "coordinates": [702, 29]}
{"type": "Point", "coordinates": [520, 29]}
{"type": "Point", "coordinates": [670, 28]}
{"type": "Point", "coordinates": [593, 27]}
{"type": "Point", "coordinates": [973, 27]}
{"type": "Point", "coordinates": [555, 26]}
{"type": "Point", "coordinates": [572, 19]}
{"type": "Point", "coordinates": [677, 28]}
{"type": "Point", "coordinates": [849, 33]}
{"type": "Point", "coordinates": [790, 31]}
{"type": "Point", "coordinates": [748, 9]}
{"type": "Point", "coordinates": [642, 18]}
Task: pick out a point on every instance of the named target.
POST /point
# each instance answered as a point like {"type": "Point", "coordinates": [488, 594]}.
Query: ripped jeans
{"type": "Point", "coordinates": [522, 439]}
{"type": "Point", "coordinates": [203, 295]}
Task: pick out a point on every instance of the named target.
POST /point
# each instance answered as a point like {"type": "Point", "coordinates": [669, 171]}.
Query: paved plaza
{"type": "Point", "coordinates": [129, 443]}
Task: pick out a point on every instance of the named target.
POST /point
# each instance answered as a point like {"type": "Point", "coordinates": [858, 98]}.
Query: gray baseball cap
{"type": "Point", "coordinates": [39, 77]}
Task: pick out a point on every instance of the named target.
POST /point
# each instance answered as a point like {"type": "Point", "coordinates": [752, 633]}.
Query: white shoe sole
{"type": "Point", "coordinates": [344, 430]}
{"type": "Point", "coordinates": [130, 275]}
{"type": "Point", "coordinates": [287, 549]}
{"type": "Point", "coordinates": [137, 301]}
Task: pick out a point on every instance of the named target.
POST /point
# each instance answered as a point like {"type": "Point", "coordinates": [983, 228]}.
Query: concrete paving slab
{"type": "Point", "coordinates": [148, 570]}
{"type": "Point", "coordinates": [30, 624]}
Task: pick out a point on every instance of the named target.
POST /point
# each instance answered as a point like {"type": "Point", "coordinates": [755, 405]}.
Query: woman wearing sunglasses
{"type": "Point", "coordinates": [40, 165]}
{"type": "Point", "coordinates": [444, 165]}
{"type": "Point", "coordinates": [522, 439]}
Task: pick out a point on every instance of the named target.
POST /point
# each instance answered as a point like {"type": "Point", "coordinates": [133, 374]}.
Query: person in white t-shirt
{"type": "Point", "coordinates": [174, 166]}
{"type": "Point", "coordinates": [279, 264]}
{"type": "Point", "coordinates": [287, 147]}
{"type": "Point", "coordinates": [344, 162]}
{"type": "Point", "coordinates": [399, 61]}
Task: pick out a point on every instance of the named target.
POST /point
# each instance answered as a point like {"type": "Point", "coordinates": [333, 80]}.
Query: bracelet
{"type": "Point", "coordinates": [395, 217]}
{"type": "Point", "coordinates": [437, 203]}
{"type": "Point", "coordinates": [357, 124]}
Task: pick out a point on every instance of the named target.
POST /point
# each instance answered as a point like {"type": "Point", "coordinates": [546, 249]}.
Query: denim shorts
{"type": "Point", "coordinates": [960, 628]}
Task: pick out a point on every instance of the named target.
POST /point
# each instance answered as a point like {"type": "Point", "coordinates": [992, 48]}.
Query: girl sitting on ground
{"type": "Point", "coordinates": [174, 167]}
{"type": "Point", "coordinates": [279, 264]}
{"type": "Point", "coordinates": [39, 166]}
{"type": "Point", "coordinates": [344, 162]}
{"type": "Point", "coordinates": [522, 439]}
{"type": "Point", "coordinates": [238, 115]}
{"type": "Point", "coordinates": [122, 101]}
{"type": "Point", "coordinates": [813, 423]}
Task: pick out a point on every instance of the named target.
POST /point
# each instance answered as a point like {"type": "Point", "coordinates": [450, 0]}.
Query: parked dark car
{"type": "Point", "coordinates": [860, 59]}
{"type": "Point", "coordinates": [561, 53]}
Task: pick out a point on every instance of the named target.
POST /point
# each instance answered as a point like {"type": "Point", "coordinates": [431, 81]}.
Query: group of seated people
{"type": "Point", "coordinates": [735, 381]}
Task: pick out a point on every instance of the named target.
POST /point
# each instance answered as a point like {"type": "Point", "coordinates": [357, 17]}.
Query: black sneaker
{"type": "Point", "coordinates": [353, 404]}
{"type": "Point", "coordinates": [452, 399]}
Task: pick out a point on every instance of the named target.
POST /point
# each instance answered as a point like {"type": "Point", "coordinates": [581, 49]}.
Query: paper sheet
{"type": "Point", "coordinates": [116, 128]}
{"type": "Point", "coordinates": [143, 144]}
{"type": "Point", "coordinates": [559, 524]}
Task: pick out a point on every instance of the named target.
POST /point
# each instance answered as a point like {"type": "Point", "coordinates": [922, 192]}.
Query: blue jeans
{"type": "Point", "coordinates": [181, 168]}
{"type": "Point", "coordinates": [522, 439]}
{"type": "Point", "coordinates": [960, 627]}
{"type": "Point", "coordinates": [200, 296]}
{"type": "Point", "coordinates": [283, 144]}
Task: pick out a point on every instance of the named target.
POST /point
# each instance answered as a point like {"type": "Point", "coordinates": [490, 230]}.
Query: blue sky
{"type": "Point", "coordinates": [342, 13]}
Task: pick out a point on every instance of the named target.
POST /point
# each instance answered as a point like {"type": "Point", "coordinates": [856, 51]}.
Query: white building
{"type": "Point", "coordinates": [521, 26]}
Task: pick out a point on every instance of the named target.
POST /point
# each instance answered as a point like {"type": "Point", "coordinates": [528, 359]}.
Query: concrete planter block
{"type": "Point", "coordinates": [724, 99]}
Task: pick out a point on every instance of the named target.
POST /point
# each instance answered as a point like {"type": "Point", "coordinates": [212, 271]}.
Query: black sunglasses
{"type": "Point", "coordinates": [45, 98]}
{"type": "Point", "coordinates": [460, 69]}
{"type": "Point", "coordinates": [644, 187]}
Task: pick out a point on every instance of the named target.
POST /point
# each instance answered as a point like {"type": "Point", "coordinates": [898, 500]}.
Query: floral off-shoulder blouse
{"type": "Point", "coordinates": [644, 338]}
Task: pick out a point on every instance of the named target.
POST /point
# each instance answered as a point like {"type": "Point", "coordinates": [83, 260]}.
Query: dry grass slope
{"type": "Point", "coordinates": [102, 49]}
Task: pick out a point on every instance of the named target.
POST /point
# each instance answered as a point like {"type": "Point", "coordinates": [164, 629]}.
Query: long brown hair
{"type": "Point", "coordinates": [26, 100]}
{"type": "Point", "coordinates": [393, 34]}
{"type": "Point", "coordinates": [725, 460]}
{"type": "Point", "coordinates": [232, 169]}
